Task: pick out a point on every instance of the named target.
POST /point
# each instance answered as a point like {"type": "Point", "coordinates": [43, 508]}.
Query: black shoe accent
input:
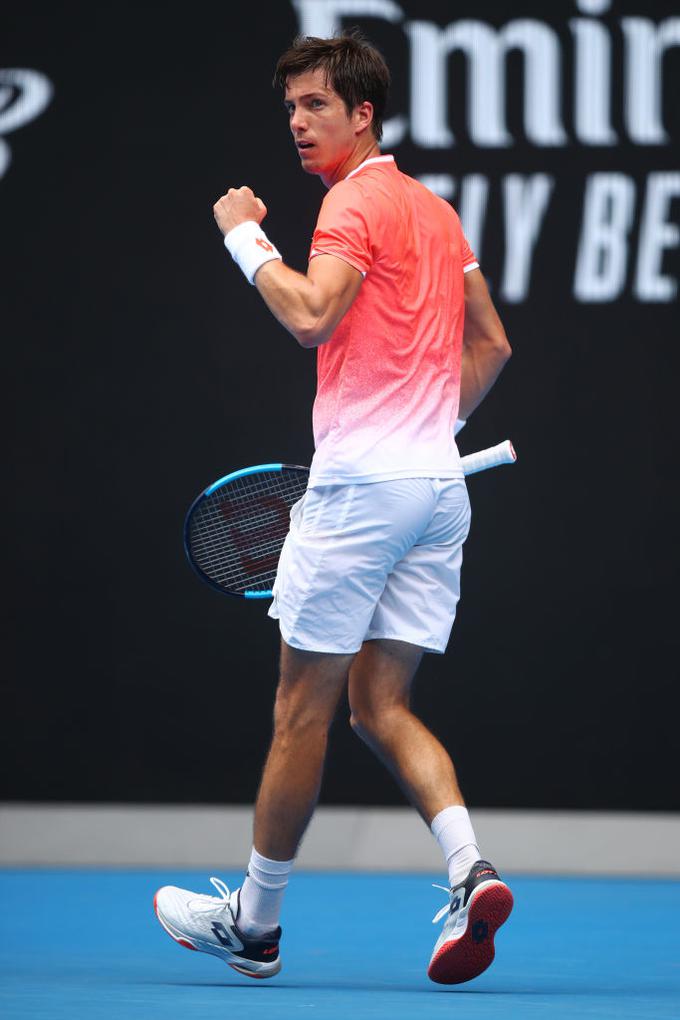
{"type": "Point", "coordinates": [481, 871]}
{"type": "Point", "coordinates": [261, 949]}
{"type": "Point", "coordinates": [264, 949]}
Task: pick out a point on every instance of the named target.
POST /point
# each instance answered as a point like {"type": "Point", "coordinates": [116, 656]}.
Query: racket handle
{"type": "Point", "coordinates": [504, 453]}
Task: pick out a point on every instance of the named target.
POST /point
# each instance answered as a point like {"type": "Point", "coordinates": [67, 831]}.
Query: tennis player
{"type": "Point", "coordinates": [407, 342]}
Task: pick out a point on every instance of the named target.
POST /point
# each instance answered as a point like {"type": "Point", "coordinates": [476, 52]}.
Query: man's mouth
{"type": "Point", "coordinates": [304, 145]}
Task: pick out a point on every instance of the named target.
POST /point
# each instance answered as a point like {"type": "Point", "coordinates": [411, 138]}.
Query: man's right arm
{"type": "Point", "coordinates": [485, 345]}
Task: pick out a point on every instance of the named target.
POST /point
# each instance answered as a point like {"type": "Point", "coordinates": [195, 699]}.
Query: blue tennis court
{"type": "Point", "coordinates": [87, 944]}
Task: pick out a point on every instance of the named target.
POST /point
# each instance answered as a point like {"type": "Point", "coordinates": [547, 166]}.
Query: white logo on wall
{"type": "Point", "coordinates": [605, 257]}
{"type": "Point", "coordinates": [24, 94]}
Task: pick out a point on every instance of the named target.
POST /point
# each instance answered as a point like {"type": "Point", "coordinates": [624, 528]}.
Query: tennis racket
{"type": "Point", "coordinates": [235, 529]}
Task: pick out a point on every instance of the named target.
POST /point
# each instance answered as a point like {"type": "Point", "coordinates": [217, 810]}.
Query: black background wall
{"type": "Point", "coordinates": [140, 366]}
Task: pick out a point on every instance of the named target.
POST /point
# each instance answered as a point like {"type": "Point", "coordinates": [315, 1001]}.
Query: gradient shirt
{"type": "Point", "coordinates": [388, 380]}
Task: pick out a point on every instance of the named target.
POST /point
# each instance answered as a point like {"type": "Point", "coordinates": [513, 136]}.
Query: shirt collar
{"type": "Point", "coordinates": [367, 162]}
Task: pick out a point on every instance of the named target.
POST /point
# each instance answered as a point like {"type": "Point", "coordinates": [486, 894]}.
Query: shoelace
{"type": "Point", "coordinates": [444, 910]}
{"type": "Point", "coordinates": [222, 888]}
{"type": "Point", "coordinates": [222, 900]}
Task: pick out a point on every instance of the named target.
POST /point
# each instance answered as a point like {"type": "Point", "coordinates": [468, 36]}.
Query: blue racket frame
{"type": "Point", "coordinates": [225, 480]}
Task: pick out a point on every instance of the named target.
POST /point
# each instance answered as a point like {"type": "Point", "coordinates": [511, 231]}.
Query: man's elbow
{"type": "Point", "coordinates": [306, 338]}
{"type": "Point", "coordinates": [497, 341]}
{"type": "Point", "coordinates": [504, 349]}
{"type": "Point", "coordinates": [487, 342]}
{"type": "Point", "coordinates": [311, 334]}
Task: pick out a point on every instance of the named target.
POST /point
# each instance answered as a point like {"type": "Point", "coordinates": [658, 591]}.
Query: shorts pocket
{"type": "Point", "coordinates": [296, 511]}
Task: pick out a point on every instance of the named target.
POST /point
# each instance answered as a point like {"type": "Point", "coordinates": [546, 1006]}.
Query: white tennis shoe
{"type": "Point", "coordinates": [476, 910]}
{"type": "Point", "coordinates": [208, 924]}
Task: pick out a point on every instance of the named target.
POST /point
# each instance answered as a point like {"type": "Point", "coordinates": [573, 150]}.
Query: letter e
{"type": "Point", "coordinates": [603, 247]}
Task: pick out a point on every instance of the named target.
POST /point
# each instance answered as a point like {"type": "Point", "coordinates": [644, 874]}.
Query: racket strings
{"type": "Point", "coordinates": [239, 571]}
{"type": "Point", "coordinates": [235, 534]}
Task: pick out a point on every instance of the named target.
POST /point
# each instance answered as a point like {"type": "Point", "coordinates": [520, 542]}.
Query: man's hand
{"type": "Point", "coordinates": [237, 206]}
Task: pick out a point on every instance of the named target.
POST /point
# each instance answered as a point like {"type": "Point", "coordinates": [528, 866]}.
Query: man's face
{"type": "Point", "coordinates": [324, 133]}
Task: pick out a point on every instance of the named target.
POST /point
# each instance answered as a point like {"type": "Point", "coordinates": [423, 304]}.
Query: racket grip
{"type": "Point", "coordinates": [504, 453]}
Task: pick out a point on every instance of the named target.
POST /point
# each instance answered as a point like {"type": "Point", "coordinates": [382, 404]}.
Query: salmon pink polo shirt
{"type": "Point", "coordinates": [388, 380]}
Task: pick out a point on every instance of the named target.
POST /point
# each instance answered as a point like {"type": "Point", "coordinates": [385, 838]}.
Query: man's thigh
{"type": "Point", "coordinates": [381, 675]}
{"type": "Point", "coordinates": [310, 685]}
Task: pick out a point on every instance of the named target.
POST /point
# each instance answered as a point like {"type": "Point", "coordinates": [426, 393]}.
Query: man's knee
{"type": "Point", "coordinates": [373, 722]}
{"type": "Point", "coordinates": [308, 693]}
{"type": "Point", "coordinates": [380, 687]}
{"type": "Point", "coordinates": [364, 726]}
{"type": "Point", "coordinates": [296, 716]}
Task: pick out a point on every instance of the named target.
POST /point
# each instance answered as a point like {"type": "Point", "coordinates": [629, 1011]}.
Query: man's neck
{"type": "Point", "coordinates": [351, 163]}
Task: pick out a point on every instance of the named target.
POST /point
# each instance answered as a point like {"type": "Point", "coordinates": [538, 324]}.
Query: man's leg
{"type": "Point", "coordinates": [379, 693]}
{"type": "Point", "coordinates": [306, 700]}
{"type": "Point", "coordinates": [380, 680]}
{"type": "Point", "coordinates": [309, 689]}
{"type": "Point", "coordinates": [479, 902]}
{"type": "Point", "coordinates": [242, 927]}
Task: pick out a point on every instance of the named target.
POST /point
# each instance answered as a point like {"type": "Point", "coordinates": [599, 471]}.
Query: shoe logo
{"type": "Point", "coordinates": [455, 906]}
{"type": "Point", "coordinates": [264, 244]}
{"type": "Point", "coordinates": [270, 952]}
{"type": "Point", "coordinates": [225, 937]}
{"type": "Point", "coordinates": [480, 931]}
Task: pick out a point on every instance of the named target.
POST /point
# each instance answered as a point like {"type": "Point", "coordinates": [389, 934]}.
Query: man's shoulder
{"type": "Point", "coordinates": [431, 196]}
{"type": "Point", "coordinates": [373, 187]}
{"type": "Point", "coordinates": [398, 179]}
{"type": "Point", "coordinates": [351, 193]}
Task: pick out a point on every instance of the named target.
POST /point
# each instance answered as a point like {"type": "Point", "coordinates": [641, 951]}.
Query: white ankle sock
{"type": "Point", "coordinates": [453, 831]}
{"type": "Point", "coordinates": [262, 893]}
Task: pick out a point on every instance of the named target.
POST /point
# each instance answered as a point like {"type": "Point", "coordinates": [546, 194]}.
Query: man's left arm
{"type": "Point", "coordinates": [308, 306]}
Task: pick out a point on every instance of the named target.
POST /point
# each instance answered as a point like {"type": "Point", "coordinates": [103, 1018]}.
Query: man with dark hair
{"type": "Point", "coordinates": [355, 71]}
{"type": "Point", "coordinates": [369, 577]}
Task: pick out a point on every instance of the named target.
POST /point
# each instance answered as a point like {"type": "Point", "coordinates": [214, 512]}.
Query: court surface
{"type": "Point", "coordinates": [87, 944]}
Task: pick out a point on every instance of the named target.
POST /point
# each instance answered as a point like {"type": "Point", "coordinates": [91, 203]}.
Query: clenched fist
{"type": "Point", "coordinates": [237, 206]}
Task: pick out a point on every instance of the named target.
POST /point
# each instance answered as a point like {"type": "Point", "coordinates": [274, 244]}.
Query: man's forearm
{"type": "Point", "coordinates": [482, 363]}
{"type": "Point", "coordinates": [310, 307]}
{"type": "Point", "coordinates": [485, 345]}
{"type": "Point", "coordinates": [293, 300]}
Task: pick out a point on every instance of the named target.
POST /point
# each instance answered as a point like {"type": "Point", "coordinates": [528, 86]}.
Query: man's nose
{"type": "Point", "coordinates": [297, 122]}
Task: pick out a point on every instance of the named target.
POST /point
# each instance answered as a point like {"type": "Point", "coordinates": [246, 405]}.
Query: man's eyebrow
{"type": "Point", "coordinates": [307, 95]}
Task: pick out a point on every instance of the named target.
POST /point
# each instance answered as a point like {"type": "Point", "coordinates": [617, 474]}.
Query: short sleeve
{"type": "Point", "coordinates": [342, 227]}
{"type": "Point", "coordinates": [467, 255]}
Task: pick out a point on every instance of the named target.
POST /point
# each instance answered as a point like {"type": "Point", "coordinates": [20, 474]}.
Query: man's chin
{"type": "Point", "coordinates": [309, 165]}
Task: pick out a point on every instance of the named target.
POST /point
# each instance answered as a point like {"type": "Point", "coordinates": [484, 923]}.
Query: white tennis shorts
{"type": "Point", "coordinates": [377, 560]}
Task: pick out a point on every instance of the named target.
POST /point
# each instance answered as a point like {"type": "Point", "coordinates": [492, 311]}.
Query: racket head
{"type": "Point", "coordinates": [235, 529]}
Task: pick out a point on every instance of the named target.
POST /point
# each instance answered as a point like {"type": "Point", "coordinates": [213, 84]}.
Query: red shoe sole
{"type": "Point", "coordinates": [470, 955]}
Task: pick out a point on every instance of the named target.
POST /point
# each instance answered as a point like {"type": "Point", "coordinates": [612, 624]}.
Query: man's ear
{"type": "Point", "coordinates": [364, 116]}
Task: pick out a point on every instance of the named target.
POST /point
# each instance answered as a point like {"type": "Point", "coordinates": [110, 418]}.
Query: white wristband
{"type": "Point", "coordinates": [250, 248]}
{"type": "Point", "coordinates": [460, 424]}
